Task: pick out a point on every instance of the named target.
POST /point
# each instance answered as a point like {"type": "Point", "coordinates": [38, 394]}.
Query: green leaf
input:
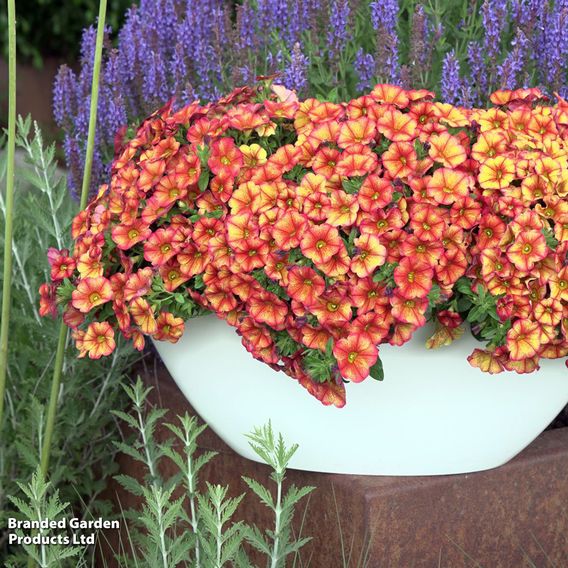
{"type": "Point", "coordinates": [376, 372]}
{"type": "Point", "coordinates": [352, 185]}
{"type": "Point", "coordinates": [203, 181]}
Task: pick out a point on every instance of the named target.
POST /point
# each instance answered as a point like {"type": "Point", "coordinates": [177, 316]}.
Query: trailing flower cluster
{"type": "Point", "coordinates": [322, 230]}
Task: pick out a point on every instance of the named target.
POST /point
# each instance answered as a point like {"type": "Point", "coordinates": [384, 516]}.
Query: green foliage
{"type": "Point", "coordinates": [377, 372]}
{"type": "Point", "coordinates": [269, 284]}
{"type": "Point", "coordinates": [277, 544]}
{"type": "Point", "coordinates": [285, 345]}
{"type": "Point", "coordinates": [385, 274]}
{"type": "Point", "coordinates": [181, 525]}
{"type": "Point", "coordinates": [319, 365]}
{"type": "Point", "coordinates": [83, 456]}
{"type": "Point", "coordinates": [481, 309]}
{"type": "Point", "coordinates": [352, 185]}
{"type": "Point", "coordinates": [39, 503]}
{"type": "Point", "coordinates": [45, 29]}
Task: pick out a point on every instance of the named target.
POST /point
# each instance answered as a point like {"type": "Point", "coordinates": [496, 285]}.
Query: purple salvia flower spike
{"type": "Point", "coordinates": [384, 16]}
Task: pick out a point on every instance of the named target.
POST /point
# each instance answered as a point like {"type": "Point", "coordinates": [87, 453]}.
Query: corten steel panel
{"type": "Point", "coordinates": [509, 517]}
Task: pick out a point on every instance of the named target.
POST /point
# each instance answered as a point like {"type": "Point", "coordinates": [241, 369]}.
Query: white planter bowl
{"type": "Point", "coordinates": [433, 413]}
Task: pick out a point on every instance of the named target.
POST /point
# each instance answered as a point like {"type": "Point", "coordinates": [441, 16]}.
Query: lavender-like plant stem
{"type": "Point", "coordinates": [384, 16]}
{"type": "Point", "coordinates": [510, 70]}
{"type": "Point", "coordinates": [452, 86]}
{"type": "Point", "coordinates": [364, 66]}
{"type": "Point", "coordinates": [494, 13]}
{"type": "Point", "coordinates": [338, 33]}
{"type": "Point", "coordinates": [295, 75]}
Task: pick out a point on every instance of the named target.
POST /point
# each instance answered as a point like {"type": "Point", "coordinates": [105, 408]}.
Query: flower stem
{"type": "Point", "coordinates": [94, 105]}
{"type": "Point", "coordinates": [60, 355]}
{"type": "Point", "coordinates": [52, 409]}
{"type": "Point", "coordinates": [8, 228]}
{"type": "Point", "coordinates": [277, 528]}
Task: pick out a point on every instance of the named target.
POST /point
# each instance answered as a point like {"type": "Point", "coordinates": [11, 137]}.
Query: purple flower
{"type": "Point", "coordinates": [494, 13]}
{"type": "Point", "coordinates": [420, 44]}
{"type": "Point", "coordinates": [246, 28]}
{"type": "Point", "coordinates": [338, 34]}
{"type": "Point", "coordinates": [478, 71]}
{"type": "Point", "coordinates": [384, 16]}
{"type": "Point", "coordinates": [364, 68]}
{"type": "Point", "coordinates": [64, 96]}
{"type": "Point", "coordinates": [555, 32]}
{"type": "Point", "coordinates": [111, 113]}
{"type": "Point", "coordinates": [451, 86]}
{"type": "Point", "coordinates": [295, 75]}
{"type": "Point", "coordinates": [511, 69]}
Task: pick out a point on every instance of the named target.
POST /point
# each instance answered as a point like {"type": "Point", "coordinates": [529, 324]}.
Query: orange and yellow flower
{"type": "Point", "coordinates": [355, 356]}
{"type": "Point", "coordinates": [90, 293]}
{"type": "Point", "coordinates": [98, 340]}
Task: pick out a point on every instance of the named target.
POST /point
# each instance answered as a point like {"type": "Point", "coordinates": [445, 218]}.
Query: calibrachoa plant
{"type": "Point", "coordinates": [322, 230]}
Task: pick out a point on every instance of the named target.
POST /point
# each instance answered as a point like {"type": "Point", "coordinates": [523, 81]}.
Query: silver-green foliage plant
{"type": "Point", "coordinates": [82, 458]}
{"type": "Point", "coordinates": [182, 524]}
{"type": "Point", "coordinates": [40, 503]}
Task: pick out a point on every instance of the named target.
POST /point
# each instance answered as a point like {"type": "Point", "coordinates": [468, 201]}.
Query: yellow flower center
{"type": "Point", "coordinates": [411, 277]}
{"type": "Point", "coordinates": [165, 248]}
{"type": "Point", "coordinates": [363, 255]}
{"type": "Point", "coordinates": [225, 161]}
{"type": "Point", "coordinates": [527, 249]}
{"type": "Point", "coordinates": [352, 356]}
{"type": "Point", "coordinates": [94, 297]}
{"type": "Point", "coordinates": [409, 303]}
{"type": "Point", "coordinates": [420, 248]}
{"type": "Point", "coordinates": [133, 234]}
{"type": "Point", "coordinates": [320, 244]}
{"type": "Point", "coordinates": [172, 275]}
{"type": "Point", "coordinates": [332, 306]}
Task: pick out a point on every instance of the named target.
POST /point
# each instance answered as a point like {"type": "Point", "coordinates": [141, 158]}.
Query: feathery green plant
{"type": "Point", "coordinates": [164, 534]}
{"type": "Point", "coordinates": [42, 504]}
{"type": "Point", "coordinates": [82, 456]}
{"type": "Point", "coordinates": [279, 544]}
